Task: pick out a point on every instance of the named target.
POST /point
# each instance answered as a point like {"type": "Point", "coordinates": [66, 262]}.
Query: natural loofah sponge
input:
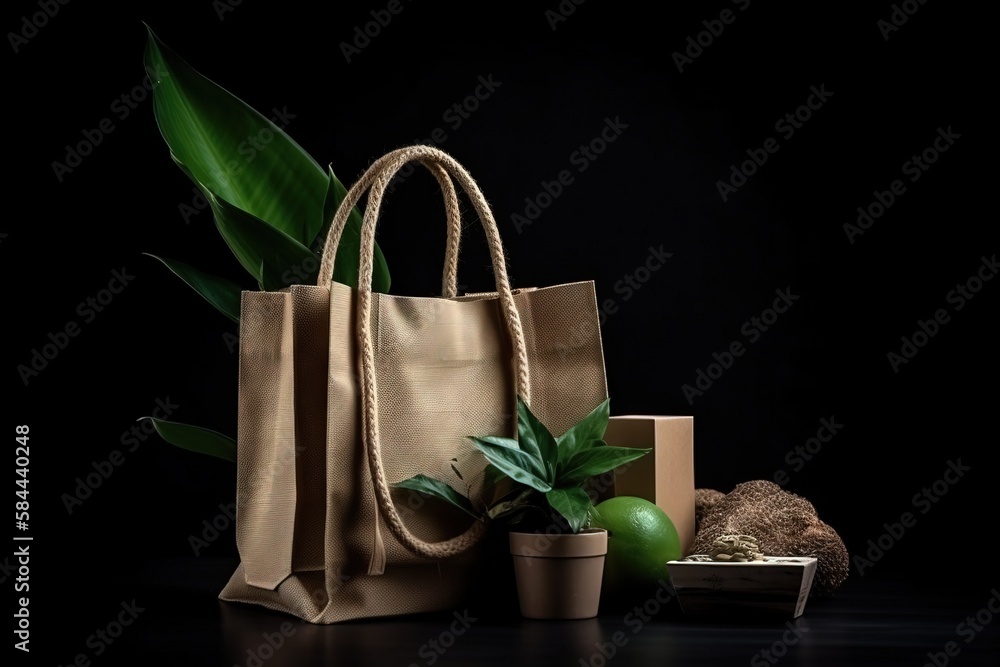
{"type": "Point", "coordinates": [704, 500]}
{"type": "Point", "coordinates": [783, 523]}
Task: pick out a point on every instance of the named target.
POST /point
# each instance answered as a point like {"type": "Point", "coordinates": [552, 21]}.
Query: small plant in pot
{"type": "Point", "coordinates": [535, 486]}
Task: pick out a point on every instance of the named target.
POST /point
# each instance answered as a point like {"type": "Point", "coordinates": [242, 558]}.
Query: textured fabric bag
{"type": "Point", "coordinates": [343, 392]}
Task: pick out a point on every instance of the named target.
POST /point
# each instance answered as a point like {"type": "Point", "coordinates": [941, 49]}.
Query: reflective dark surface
{"type": "Point", "coordinates": [867, 623]}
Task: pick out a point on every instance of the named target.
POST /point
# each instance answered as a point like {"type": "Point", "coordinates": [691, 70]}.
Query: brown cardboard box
{"type": "Point", "coordinates": [665, 476]}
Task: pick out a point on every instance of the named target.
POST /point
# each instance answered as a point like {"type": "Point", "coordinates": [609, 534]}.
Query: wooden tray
{"type": "Point", "coordinates": [775, 585]}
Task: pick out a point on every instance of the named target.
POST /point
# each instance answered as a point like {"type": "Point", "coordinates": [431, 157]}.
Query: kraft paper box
{"type": "Point", "coordinates": [665, 476]}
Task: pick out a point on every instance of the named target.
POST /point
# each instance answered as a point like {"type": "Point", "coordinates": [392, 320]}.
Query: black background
{"type": "Point", "coordinates": [654, 186]}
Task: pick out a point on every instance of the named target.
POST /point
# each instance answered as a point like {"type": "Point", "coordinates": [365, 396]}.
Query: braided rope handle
{"type": "Point", "coordinates": [376, 180]}
{"type": "Point", "coordinates": [449, 276]}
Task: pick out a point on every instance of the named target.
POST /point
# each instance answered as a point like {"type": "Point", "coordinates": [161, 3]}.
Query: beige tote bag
{"type": "Point", "coordinates": [343, 392]}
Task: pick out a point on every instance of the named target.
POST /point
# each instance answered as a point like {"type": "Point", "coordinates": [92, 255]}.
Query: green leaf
{"type": "Point", "coordinates": [492, 476]}
{"type": "Point", "coordinates": [275, 259]}
{"type": "Point", "coordinates": [439, 490]}
{"type": "Point", "coordinates": [245, 159]}
{"type": "Point", "coordinates": [582, 434]}
{"type": "Point", "coordinates": [232, 149]}
{"type": "Point", "coordinates": [530, 463]}
{"type": "Point", "coordinates": [221, 293]}
{"type": "Point", "coordinates": [536, 440]}
{"type": "Point", "coordinates": [196, 439]}
{"type": "Point", "coordinates": [270, 256]}
{"type": "Point", "coordinates": [499, 441]}
{"type": "Point", "coordinates": [348, 264]}
{"type": "Point", "coordinates": [573, 503]}
{"type": "Point", "coordinates": [507, 507]}
{"type": "Point", "coordinates": [596, 461]}
{"type": "Point", "coordinates": [496, 485]}
{"type": "Point", "coordinates": [516, 464]}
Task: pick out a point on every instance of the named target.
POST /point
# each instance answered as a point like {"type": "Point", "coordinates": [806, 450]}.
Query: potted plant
{"type": "Point", "coordinates": [535, 486]}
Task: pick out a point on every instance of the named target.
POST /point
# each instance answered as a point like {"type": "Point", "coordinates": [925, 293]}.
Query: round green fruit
{"type": "Point", "coordinates": [641, 539]}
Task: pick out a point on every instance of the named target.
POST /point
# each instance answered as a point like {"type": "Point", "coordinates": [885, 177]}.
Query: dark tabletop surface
{"type": "Point", "coordinates": [179, 621]}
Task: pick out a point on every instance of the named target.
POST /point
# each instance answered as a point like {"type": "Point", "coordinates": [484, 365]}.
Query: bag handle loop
{"type": "Point", "coordinates": [449, 276]}
{"type": "Point", "coordinates": [375, 180]}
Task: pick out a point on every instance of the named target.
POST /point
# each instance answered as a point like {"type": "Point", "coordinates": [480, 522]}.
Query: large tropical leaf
{"type": "Point", "coordinates": [232, 149]}
{"type": "Point", "coordinates": [245, 159]}
{"type": "Point", "coordinates": [275, 259]}
{"type": "Point", "coordinates": [196, 438]}
{"type": "Point", "coordinates": [221, 293]}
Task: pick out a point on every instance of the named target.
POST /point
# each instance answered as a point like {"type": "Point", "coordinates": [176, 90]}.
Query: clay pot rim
{"type": "Point", "coordinates": [585, 544]}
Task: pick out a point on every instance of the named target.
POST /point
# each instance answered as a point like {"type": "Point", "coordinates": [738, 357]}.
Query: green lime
{"type": "Point", "coordinates": [641, 539]}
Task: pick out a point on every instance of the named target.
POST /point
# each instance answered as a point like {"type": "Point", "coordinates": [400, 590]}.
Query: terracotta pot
{"type": "Point", "coordinates": [559, 576]}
